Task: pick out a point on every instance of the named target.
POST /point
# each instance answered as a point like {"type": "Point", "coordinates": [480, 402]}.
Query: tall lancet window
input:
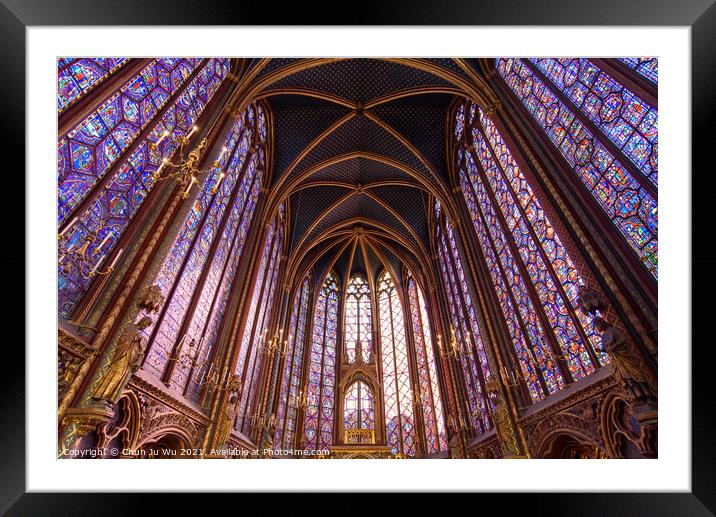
{"type": "Point", "coordinates": [105, 162]}
{"type": "Point", "coordinates": [432, 408]}
{"type": "Point", "coordinates": [465, 338]}
{"type": "Point", "coordinates": [255, 338]}
{"type": "Point", "coordinates": [534, 277]}
{"type": "Point", "coordinates": [358, 328]}
{"type": "Point", "coordinates": [198, 272]}
{"type": "Point", "coordinates": [318, 425]}
{"type": "Point", "coordinates": [358, 407]}
{"type": "Point", "coordinates": [607, 135]}
{"type": "Point", "coordinates": [399, 415]}
{"type": "Point", "coordinates": [291, 395]}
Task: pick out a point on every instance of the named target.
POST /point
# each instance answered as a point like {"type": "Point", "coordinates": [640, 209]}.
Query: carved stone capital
{"type": "Point", "coordinates": [84, 420]}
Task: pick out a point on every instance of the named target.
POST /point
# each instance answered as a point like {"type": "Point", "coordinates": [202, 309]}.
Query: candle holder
{"type": "Point", "coordinates": [547, 354]}
{"type": "Point", "coordinates": [185, 172]}
{"type": "Point", "coordinates": [275, 345]}
{"type": "Point", "coordinates": [213, 385]}
{"type": "Point", "coordinates": [189, 360]}
{"type": "Point", "coordinates": [462, 424]}
{"type": "Point", "coordinates": [454, 349]}
{"type": "Point", "coordinates": [81, 259]}
{"type": "Point", "coordinates": [256, 420]}
{"type": "Point", "coordinates": [510, 378]}
{"type": "Point", "coordinates": [300, 401]}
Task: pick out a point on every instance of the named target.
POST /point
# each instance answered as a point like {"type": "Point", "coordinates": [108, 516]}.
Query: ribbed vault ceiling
{"type": "Point", "coordinates": [359, 149]}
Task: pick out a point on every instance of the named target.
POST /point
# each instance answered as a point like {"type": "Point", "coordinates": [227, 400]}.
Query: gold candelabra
{"type": "Point", "coordinates": [275, 345]}
{"type": "Point", "coordinates": [454, 349]}
{"type": "Point", "coordinates": [185, 172]}
{"type": "Point", "coordinates": [210, 379]}
{"type": "Point", "coordinates": [466, 424]}
{"type": "Point", "coordinates": [547, 352]}
{"type": "Point", "coordinates": [258, 421]}
{"type": "Point", "coordinates": [463, 424]}
{"type": "Point", "coordinates": [510, 378]}
{"type": "Point", "coordinates": [82, 258]}
{"type": "Point", "coordinates": [189, 359]}
{"type": "Point", "coordinates": [299, 401]}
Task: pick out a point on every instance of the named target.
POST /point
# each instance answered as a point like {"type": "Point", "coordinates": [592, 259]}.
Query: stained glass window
{"type": "Point", "coordinates": [215, 220]}
{"type": "Point", "coordinates": [646, 66]}
{"type": "Point", "coordinates": [399, 411]}
{"type": "Point", "coordinates": [256, 338]}
{"type": "Point", "coordinates": [430, 403]}
{"type": "Point", "coordinates": [77, 76]}
{"type": "Point", "coordinates": [105, 164]}
{"type": "Point", "coordinates": [318, 424]}
{"type": "Point", "coordinates": [534, 277]}
{"type": "Point", "coordinates": [605, 133]}
{"type": "Point", "coordinates": [358, 328]}
{"type": "Point", "coordinates": [93, 145]}
{"type": "Point", "coordinates": [358, 407]}
{"type": "Point", "coordinates": [465, 337]}
{"type": "Point", "coordinates": [291, 395]}
{"type": "Point", "coordinates": [625, 119]}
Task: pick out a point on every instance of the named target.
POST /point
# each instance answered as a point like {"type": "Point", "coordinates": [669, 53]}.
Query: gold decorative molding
{"type": "Point", "coordinates": [79, 422]}
{"type": "Point", "coordinates": [161, 394]}
{"type": "Point", "coordinates": [359, 436]}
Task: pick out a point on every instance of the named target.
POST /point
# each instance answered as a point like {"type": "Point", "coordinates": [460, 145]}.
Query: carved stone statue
{"type": "Point", "coordinates": [126, 360]}
{"type": "Point", "coordinates": [228, 412]}
{"type": "Point", "coordinates": [625, 364]}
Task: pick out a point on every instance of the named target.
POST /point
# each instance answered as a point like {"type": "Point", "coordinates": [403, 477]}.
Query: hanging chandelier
{"type": "Point", "coordinates": [184, 171]}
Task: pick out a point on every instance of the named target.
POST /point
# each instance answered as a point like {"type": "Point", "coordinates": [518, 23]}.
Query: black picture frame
{"type": "Point", "coordinates": [699, 15]}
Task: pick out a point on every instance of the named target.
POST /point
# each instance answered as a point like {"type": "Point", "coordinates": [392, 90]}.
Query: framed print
{"type": "Point", "coordinates": [437, 243]}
